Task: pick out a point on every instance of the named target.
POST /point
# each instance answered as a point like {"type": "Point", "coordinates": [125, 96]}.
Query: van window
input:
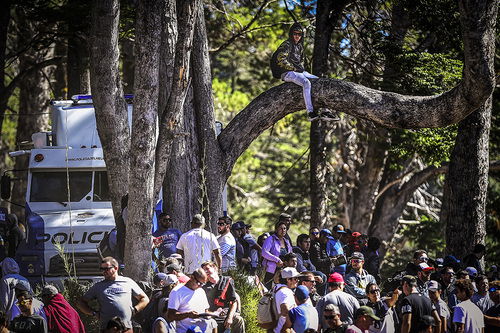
{"type": "Point", "coordinates": [101, 188]}
{"type": "Point", "coordinates": [53, 187]}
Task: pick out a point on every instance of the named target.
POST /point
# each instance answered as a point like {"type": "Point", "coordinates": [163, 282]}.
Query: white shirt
{"type": "Point", "coordinates": [183, 300]}
{"type": "Point", "coordinates": [227, 245]}
{"type": "Point", "coordinates": [198, 245]}
{"type": "Point", "coordinates": [283, 296]}
{"type": "Point", "coordinates": [470, 315]}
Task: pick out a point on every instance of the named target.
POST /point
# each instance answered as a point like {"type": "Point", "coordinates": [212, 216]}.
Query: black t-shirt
{"type": "Point", "coordinates": [31, 324]}
{"type": "Point", "coordinates": [418, 306]}
{"type": "Point", "coordinates": [341, 329]}
{"type": "Point", "coordinates": [214, 293]}
{"type": "Point", "coordinates": [492, 312]}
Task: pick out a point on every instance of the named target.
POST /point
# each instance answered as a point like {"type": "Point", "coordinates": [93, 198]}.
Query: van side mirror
{"type": "Point", "coordinates": [5, 187]}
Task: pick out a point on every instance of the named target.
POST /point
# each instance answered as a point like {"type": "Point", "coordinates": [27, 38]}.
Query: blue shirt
{"type": "Point", "coordinates": [334, 248]}
{"type": "Point", "coordinates": [168, 246]}
{"type": "Point", "coordinates": [303, 317]}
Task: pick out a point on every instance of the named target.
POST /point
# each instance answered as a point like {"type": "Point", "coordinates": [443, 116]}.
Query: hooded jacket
{"type": "Point", "coordinates": [10, 279]}
{"type": "Point", "coordinates": [289, 55]}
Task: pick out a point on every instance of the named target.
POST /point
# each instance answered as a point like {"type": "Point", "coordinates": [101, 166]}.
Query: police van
{"type": "Point", "coordinates": [68, 203]}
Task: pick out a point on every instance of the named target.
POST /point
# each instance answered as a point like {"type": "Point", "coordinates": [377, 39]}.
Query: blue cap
{"type": "Point", "coordinates": [450, 260]}
{"type": "Point", "coordinates": [302, 293]}
{"type": "Point", "coordinates": [325, 232]}
{"type": "Point", "coordinates": [471, 271]}
{"type": "Point", "coordinates": [238, 225]}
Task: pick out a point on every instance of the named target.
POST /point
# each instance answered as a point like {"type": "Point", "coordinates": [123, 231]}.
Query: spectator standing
{"type": "Point", "coordinates": [186, 304]}
{"type": "Point", "coordinates": [331, 316]}
{"type": "Point", "coordinates": [304, 262]}
{"type": "Point", "coordinates": [27, 322]}
{"type": "Point", "coordinates": [274, 246]}
{"type": "Point", "coordinates": [447, 280]}
{"type": "Point", "coordinates": [318, 254]}
{"type": "Point", "coordinates": [227, 244]}
{"type": "Point", "coordinates": [36, 305]}
{"type": "Point", "coordinates": [347, 304]}
{"type": "Point", "coordinates": [414, 306]}
{"type": "Point", "coordinates": [492, 316]}
{"type": "Point", "coordinates": [364, 318]}
{"type": "Point", "coordinates": [284, 296]}
{"type": "Point", "coordinates": [334, 248]}
{"type": "Point", "coordinates": [372, 258]}
{"type": "Point", "coordinates": [61, 316]}
{"type": "Point", "coordinates": [419, 257]}
{"type": "Point", "coordinates": [358, 278]}
{"type": "Point", "coordinates": [467, 317]}
{"type": "Point", "coordinates": [382, 309]}
{"type": "Point", "coordinates": [198, 245]}
{"type": "Point", "coordinates": [474, 259]}
{"type": "Point", "coordinates": [440, 305]}
{"type": "Point", "coordinates": [221, 293]}
{"type": "Point", "coordinates": [308, 280]}
{"type": "Point", "coordinates": [482, 298]}
{"type": "Point", "coordinates": [176, 270]}
{"type": "Point", "coordinates": [304, 316]}
{"type": "Point", "coordinates": [255, 249]}
{"type": "Point", "coordinates": [423, 278]}
{"type": "Point", "coordinates": [243, 254]}
{"type": "Point", "coordinates": [314, 234]}
{"type": "Point", "coordinates": [114, 295]}
{"type": "Point", "coordinates": [10, 278]}
{"type": "Point", "coordinates": [167, 237]}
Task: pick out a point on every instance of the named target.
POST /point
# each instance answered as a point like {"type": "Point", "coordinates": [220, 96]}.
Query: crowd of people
{"type": "Point", "coordinates": [324, 281]}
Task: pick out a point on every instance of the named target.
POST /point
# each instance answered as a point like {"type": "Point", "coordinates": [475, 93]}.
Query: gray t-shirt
{"type": "Point", "coordinates": [115, 299]}
{"type": "Point", "coordinates": [347, 304]}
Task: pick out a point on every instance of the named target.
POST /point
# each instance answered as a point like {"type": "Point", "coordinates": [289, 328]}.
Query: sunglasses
{"type": "Point", "coordinates": [329, 317]}
{"type": "Point", "coordinates": [168, 220]}
{"type": "Point", "coordinates": [221, 223]}
{"type": "Point", "coordinates": [106, 268]}
{"type": "Point", "coordinates": [374, 291]}
{"type": "Point", "coordinates": [493, 289]}
{"type": "Point", "coordinates": [315, 232]}
{"type": "Point", "coordinates": [297, 33]}
{"type": "Point", "coordinates": [312, 281]}
{"type": "Point", "coordinates": [357, 261]}
{"type": "Point", "coordinates": [423, 259]}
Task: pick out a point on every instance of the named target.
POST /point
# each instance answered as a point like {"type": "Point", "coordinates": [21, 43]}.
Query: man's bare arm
{"type": "Point", "coordinates": [406, 325]}
{"type": "Point", "coordinates": [218, 258]}
{"type": "Point", "coordinates": [143, 301]}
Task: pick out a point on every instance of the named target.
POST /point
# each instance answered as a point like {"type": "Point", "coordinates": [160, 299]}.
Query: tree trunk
{"type": "Point", "coordinates": [327, 16]}
{"type": "Point", "coordinates": [4, 28]}
{"type": "Point", "coordinates": [34, 97]}
{"type": "Point", "coordinates": [143, 141]}
{"type": "Point", "coordinates": [78, 53]}
{"type": "Point", "coordinates": [128, 65]}
{"type": "Point", "coordinates": [464, 195]}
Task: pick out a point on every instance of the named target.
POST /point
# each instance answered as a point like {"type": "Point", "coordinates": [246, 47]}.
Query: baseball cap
{"type": "Point", "coordinates": [424, 267]}
{"type": "Point", "coordinates": [335, 277]}
{"type": "Point", "coordinates": [434, 285]}
{"type": "Point", "coordinates": [339, 229]}
{"type": "Point", "coordinates": [159, 277]}
{"type": "Point", "coordinates": [49, 290]}
{"type": "Point", "coordinates": [325, 232]}
{"type": "Point", "coordinates": [171, 279]}
{"type": "Point", "coordinates": [356, 234]}
{"type": "Point", "coordinates": [358, 255]}
{"type": "Point", "coordinates": [450, 261]}
{"type": "Point", "coordinates": [238, 225]}
{"type": "Point", "coordinates": [176, 256]}
{"type": "Point", "coordinates": [289, 272]}
{"type": "Point", "coordinates": [174, 267]}
{"type": "Point", "coordinates": [365, 311]}
{"type": "Point", "coordinates": [471, 271]}
{"type": "Point", "coordinates": [302, 293]}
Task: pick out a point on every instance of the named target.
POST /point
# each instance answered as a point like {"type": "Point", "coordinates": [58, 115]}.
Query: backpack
{"type": "Point", "coordinates": [104, 248]}
{"type": "Point", "coordinates": [267, 318]}
{"type": "Point", "coordinates": [149, 314]}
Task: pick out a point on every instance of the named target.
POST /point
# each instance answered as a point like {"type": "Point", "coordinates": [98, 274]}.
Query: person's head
{"type": "Point", "coordinates": [109, 268]}
{"type": "Point", "coordinates": [424, 271]}
{"type": "Point", "coordinates": [289, 260]}
{"type": "Point", "coordinates": [304, 242]}
{"type": "Point", "coordinates": [287, 218]}
{"type": "Point", "coordinates": [301, 294]}
{"type": "Point", "coordinates": [463, 274]}
{"type": "Point", "coordinates": [331, 313]}
{"type": "Point", "coordinates": [482, 284]}
{"type": "Point", "coordinates": [364, 317]}
{"type": "Point", "coordinates": [262, 238]}
{"type": "Point", "coordinates": [472, 272]}
{"type": "Point", "coordinates": [165, 220]}
{"type": "Point", "coordinates": [224, 224]}
{"type": "Point", "coordinates": [198, 221]}
{"type": "Point", "coordinates": [314, 233]}
{"type": "Point", "coordinates": [409, 284]}
{"type": "Point", "coordinates": [324, 235]}
{"type": "Point", "coordinates": [24, 302]}
{"type": "Point", "coordinates": [373, 292]}
{"type": "Point", "coordinates": [48, 292]}
{"type": "Point", "coordinates": [4, 322]}
{"type": "Point", "coordinates": [335, 281]}
{"type": "Point", "coordinates": [464, 289]}
{"type": "Point", "coordinates": [115, 324]}
{"type": "Point", "coordinates": [238, 229]}
{"type": "Point", "coordinates": [373, 243]}
{"type": "Point", "coordinates": [280, 228]}
{"type": "Point", "coordinates": [338, 231]}
{"type": "Point", "coordinates": [175, 269]}
{"type": "Point", "coordinates": [307, 279]}
{"type": "Point", "coordinates": [426, 324]}
{"type": "Point", "coordinates": [479, 250]}
{"type": "Point", "coordinates": [434, 291]}
{"type": "Point", "coordinates": [198, 279]}
{"type": "Point", "coordinates": [290, 277]}
{"type": "Point", "coordinates": [447, 274]}
{"type": "Point", "coordinates": [494, 291]}
{"type": "Point", "coordinates": [211, 270]}
{"type": "Point", "coordinates": [420, 256]}
{"type": "Point", "coordinates": [357, 261]}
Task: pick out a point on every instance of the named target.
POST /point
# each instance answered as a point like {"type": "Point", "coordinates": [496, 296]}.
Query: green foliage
{"type": "Point", "coordinates": [250, 297]}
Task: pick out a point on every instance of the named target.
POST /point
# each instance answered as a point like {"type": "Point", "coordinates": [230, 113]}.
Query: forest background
{"type": "Point", "coordinates": [384, 182]}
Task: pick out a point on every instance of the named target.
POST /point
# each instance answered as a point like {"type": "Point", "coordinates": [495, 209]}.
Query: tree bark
{"type": "Point", "coordinates": [143, 141]}
{"type": "Point", "coordinates": [110, 107]}
{"type": "Point", "coordinates": [128, 65]}
{"type": "Point", "coordinates": [78, 53]}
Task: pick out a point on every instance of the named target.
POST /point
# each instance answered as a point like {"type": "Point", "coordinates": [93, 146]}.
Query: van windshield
{"type": "Point", "coordinates": [53, 186]}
